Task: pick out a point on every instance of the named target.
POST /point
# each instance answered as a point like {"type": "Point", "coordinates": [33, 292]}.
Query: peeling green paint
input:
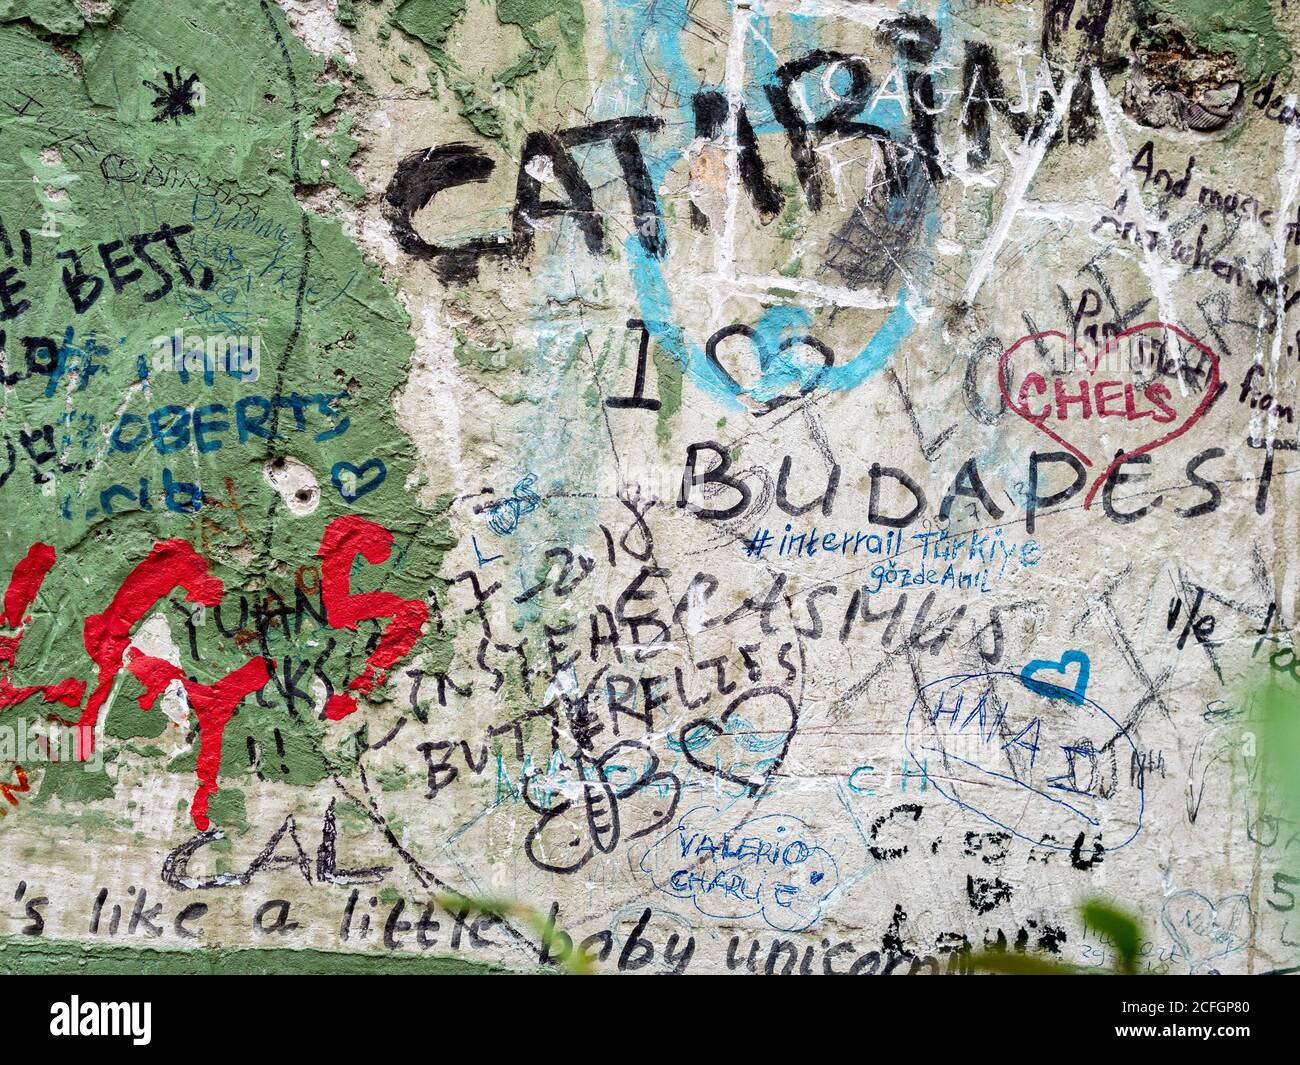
{"type": "Point", "coordinates": [60, 17]}
{"type": "Point", "coordinates": [433, 21]}
{"type": "Point", "coordinates": [329, 327]}
{"type": "Point", "coordinates": [430, 21]}
{"type": "Point", "coordinates": [492, 358]}
{"type": "Point", "coordinates": [477, 112]}
{"type": "Point", "coordinates": [228, 810]}
{"type": "Point", "coordinates": [1242, 28]}
{"type": "Point", "coordinates": [125, 720]}
{"type": "Point", "coordinates": [668, 384]}
{"type": "Point", "coordinates": [71, 782]}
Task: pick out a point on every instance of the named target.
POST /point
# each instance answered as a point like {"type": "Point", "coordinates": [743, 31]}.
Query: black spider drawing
{"type": "Point", "coordinates": [177, 99]}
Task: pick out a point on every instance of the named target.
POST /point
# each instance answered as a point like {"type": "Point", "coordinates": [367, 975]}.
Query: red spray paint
{"type": "Point", "coordinates": [213, 704]}
{"type": "Point", "coordinates": [28, 576]}
{"type": "Point", "coordinates": [345, 539]}
{"type": "Point", "coordinates": [171, 564]}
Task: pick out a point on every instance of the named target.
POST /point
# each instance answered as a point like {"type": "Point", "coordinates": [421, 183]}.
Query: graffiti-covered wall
{"type": "Point", "coordinates": [688, 485]}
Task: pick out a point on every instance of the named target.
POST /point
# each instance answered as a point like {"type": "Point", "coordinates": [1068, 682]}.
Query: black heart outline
{"type": "Point", "coordinates": [749, 333]}
{"type": "Point", "coordinates": [717, 728]}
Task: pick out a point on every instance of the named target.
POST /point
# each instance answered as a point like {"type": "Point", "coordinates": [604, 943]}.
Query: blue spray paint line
{"type": "Point", "coordinates": [780, 325]}
{"type": "Point", "coordinates": [657, 30]}
{"type": "Point", "coordinates": [880, 348]}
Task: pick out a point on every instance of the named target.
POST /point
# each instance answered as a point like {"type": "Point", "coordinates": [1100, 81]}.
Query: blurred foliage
{"type": "Point", "coordinates": [1274, 699]}
{"type": "Point", "coordinates": [1276, 713]}
{"type": "Point", "coordinates": [1125, 934]}
{"type": "Point", "coordinates": [1277, 710]}
{"type": "Point", "coordinates": [572, 961]}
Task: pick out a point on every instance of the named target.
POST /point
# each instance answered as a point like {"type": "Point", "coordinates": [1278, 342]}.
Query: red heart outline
{"type": "Point", "coordinates": [1038, 422]}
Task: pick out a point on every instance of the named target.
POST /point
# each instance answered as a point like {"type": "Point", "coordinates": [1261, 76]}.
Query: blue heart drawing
{"type": "Point", "coordinates": [1058, 691]}
{"type": "Point", "coordinates": [817, 878]}
{"type": "Point", "coordinates": [354, 487]}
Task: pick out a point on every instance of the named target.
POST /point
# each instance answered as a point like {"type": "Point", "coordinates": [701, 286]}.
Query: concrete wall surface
{"type": "Point", "coordinates": [675, 485]}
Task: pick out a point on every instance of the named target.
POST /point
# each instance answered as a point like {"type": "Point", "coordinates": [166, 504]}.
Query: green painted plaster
{"type": "Point", "coordinates": [50, 957]}
{"type": "Point", "coordinates": [72, 782]}
{"type": "Point", "coordinates": [126, 720]}
{"type": "Point", "coordinates": [59, 17]}
{"type": "Point", "coordinates": [668, 383]}
{"type": "Point", "coordinates": [228, 810]}
{"type": "Point", "coordinates": [430, 21]}
{"type": "Point", "coordinates": [334, 345]}
{"type": "Point", "coordinates": [545, 26]}
{"type": "Point", "coordinates": [1242, 28]}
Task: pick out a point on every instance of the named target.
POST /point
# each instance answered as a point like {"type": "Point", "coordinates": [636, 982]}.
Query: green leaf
{"type": "Point", "coordinates": [573, 961]}
{"type": "Point", "coordinates": [1124, 931]}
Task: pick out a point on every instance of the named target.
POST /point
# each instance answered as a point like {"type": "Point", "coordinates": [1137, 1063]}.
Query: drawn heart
{"type": "Point", "coordinates": [771, 367]}
{"type": "Point", "coordinates": [753, 732]}
{"type": "Point", "coordinates": [1177, 426]}
{"type": "Point", "coordinates": [1072, 694]}
{"type": "Point", "coordinates": [1205, 930]}
{"type": "Point", "coordinates": [349, 479]}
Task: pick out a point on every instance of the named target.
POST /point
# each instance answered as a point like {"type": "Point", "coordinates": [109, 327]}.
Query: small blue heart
{"type": "Point", "coordinates": [817, 878]}
{"type": "Point", "coordinates": [359, 486]}
{"type": "Point", "coordinates": [1057, 691]}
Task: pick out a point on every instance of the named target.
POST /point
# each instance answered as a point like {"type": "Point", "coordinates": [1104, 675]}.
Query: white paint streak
{"type": "Point", "coordinates": [1158, 275]}
{"type": "Point", "coordinates": [1030, 158]}
{"type": "Point", "coordinates": [1288, 182]}
{"type": "Point", "coordinates": [773, 287]}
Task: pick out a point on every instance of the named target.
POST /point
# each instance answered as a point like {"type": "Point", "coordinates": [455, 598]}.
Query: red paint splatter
{"type": "Point", "coordinates": [7, 790]}
{"type": "Point", "coordinates": [171, 564]}
{"type": "Point", "coordinates": [345, 539]}
{"type": "Point", "coordinates": [24, 584]}
{"type": "Point", "coordinates": [213, 704]}
{"type": "Point", "coordinates": [28, 576]}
